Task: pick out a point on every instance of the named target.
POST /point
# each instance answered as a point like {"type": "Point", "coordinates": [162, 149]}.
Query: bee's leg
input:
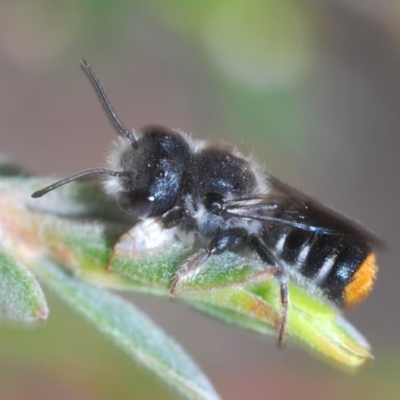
{"type": "Point", "coordinates": [178, 217]}
{"type": "Point", "coordinates": [281, 274]}
{"type": "Point", "coordinates": [230, 239]}
{"type": "Point", "coordinates": [282, 277]}
{"type": "Point", "coordinates": [173, 218]}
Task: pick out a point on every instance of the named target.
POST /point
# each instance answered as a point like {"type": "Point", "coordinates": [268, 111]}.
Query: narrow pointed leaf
{"type": "Point", "coordinates": [21, 297]}
{"type": "Point", "coordinates": [219, 289]}
{"type": "Point", "coordinates": [130, 330]}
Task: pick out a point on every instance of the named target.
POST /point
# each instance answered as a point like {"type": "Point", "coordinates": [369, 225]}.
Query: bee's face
{"type": "Point", "coordinates": [152, 172]}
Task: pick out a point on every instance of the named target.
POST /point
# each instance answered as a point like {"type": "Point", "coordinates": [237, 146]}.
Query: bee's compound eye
{"type": "Point", "coordinates": [134, 204]}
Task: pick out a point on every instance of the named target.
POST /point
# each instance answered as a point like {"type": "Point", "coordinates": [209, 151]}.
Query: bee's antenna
{"type": "Point", "coordinates": [82, 174]}
{"type": "Point", "coordinates": [107, 105]}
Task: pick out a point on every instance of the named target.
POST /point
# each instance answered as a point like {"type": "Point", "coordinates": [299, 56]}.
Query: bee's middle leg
{"type": "Point", "coordinates": [229, 239]}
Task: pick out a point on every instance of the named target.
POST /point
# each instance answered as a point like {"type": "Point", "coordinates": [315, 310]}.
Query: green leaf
{"type": "Point", "coordinates": [219, 288]}
{"type": "Point", "coordinates": [130, 330]}
{"type": "Point", "coordinates": [21, 297]}
{"type": "Point", "coordinates": [311, 323]}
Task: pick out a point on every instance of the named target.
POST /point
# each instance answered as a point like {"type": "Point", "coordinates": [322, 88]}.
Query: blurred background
{"type": "Point", "coordinates": [311, 87]}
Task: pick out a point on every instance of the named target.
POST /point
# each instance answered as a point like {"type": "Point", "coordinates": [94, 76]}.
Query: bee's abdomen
{"type": "Point", "coordinates": [343, 267]}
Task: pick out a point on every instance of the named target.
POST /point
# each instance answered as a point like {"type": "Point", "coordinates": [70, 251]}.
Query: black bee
{"type": "Point", "coordinates": [228, 199]}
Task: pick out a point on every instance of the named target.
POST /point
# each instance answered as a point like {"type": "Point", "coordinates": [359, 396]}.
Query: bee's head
{"type": "Point", "coordinates": [151, 171]}
{"type": "Point", "coordinates": [145, 170]}
{"type": "Point", "coordinates": [144, 175]}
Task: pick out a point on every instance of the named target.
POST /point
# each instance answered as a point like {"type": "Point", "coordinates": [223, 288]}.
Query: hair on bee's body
{"type": "Point", "coordinates": [215, 192]}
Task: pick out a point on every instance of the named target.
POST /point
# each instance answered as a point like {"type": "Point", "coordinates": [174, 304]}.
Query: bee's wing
{"type": "Point", "coordinates": [286, 205]}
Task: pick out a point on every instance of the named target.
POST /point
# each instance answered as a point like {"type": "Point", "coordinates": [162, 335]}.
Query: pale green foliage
{"type": "Point", "coordinates": [21, 297]}
{"type": "Point", "coordinates": [130, 330]}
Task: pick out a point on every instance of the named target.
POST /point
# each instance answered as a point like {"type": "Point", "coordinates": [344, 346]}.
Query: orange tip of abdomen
{"type": "Point", "coordinates": [361, 283]}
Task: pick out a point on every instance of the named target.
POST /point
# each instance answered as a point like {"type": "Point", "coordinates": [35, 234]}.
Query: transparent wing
{"type": "Point", "coordinates": [286, 205]}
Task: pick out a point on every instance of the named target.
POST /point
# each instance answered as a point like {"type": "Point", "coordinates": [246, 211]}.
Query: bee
{"type": "Point", "coordinates": [228, 200]}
